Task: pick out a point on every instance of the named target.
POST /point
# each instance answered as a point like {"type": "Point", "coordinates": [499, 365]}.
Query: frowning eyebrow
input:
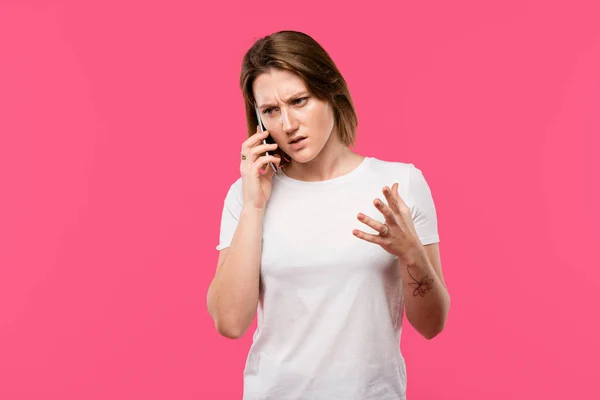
{"type": "Point", "coordinates": [290, 98]}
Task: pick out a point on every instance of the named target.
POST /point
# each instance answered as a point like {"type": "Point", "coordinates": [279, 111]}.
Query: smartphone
{"type": "Point", "coordinates": [262, 129]}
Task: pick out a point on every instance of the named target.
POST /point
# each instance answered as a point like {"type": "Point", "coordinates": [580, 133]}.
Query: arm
{"type": "Point", "coordinates": [233, 293]}
{"type": "Point", "coordinates": [425, 296]}
{"type": "Point", "coordinates": [427, 301]}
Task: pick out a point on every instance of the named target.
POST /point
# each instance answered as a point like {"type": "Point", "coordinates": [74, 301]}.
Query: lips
{"type": "Point", "coordinates": [298, 143]}
{"type": "Point", "coordinates": [297, 139]}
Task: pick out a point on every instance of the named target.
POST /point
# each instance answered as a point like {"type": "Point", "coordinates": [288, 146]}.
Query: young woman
{"type": "Point", "coordinates": [331, 249]}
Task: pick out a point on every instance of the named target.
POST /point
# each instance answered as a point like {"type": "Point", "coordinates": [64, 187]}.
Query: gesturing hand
{"type": "Point", "coordinates": [397, 235]}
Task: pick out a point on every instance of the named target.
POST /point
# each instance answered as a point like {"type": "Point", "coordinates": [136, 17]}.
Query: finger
{"type": "Point", "coordinates": [253, 141]}
{"type": "Point", "coordinates": [376, 225]}
{"type": "Point", "coordinates": [386, 211]}
{"type": "Point", "coordinates": [399, 200]}
{"type": "Point", "coordinates": [391, 200]}
{"type": "Point", "coordinates": [269, 171]}
{"type": "Point", "coordinates": [260, 149]}
{"type": "Point", "coordinates": [266, 166]}
{"type": "Point", "coordinates": [368, 237]}
{"type": "Point", "coordinates": [262, 162]}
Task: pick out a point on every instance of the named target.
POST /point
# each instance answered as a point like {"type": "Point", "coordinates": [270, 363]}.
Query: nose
{"type": "Point", "coordinates": [288, 123]}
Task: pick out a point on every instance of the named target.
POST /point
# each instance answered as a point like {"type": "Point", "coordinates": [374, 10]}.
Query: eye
{"type": "Point", "coordinates": [300, 100]}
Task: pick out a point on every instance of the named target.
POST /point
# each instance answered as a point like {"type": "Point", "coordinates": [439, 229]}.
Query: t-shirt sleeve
{"type": "Point", "coordinates": [422, 207]}
{"type": "Point", "coordinates": [230, 216]}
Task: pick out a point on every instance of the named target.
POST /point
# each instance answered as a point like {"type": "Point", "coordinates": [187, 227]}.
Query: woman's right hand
{"type": "Point", "coordinates": [256, 185]}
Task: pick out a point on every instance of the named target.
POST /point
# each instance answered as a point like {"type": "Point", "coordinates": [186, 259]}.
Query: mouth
{"type": "Point", "coordinates": [297, 139]}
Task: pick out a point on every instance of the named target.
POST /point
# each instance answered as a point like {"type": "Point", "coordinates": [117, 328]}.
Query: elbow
{"type": "Point", "coordinates": [230, 328]}
{"type": "Point", "coordinates": [432, 333]}
{"type": "Point", "coordinates": [229, 324]}
{"type": "Point", "coordinates": [229, 321]}
{"type": "Point", "coordinates": [225, 326]}
{"type": "Point", "coordinates": [429, 329]}
{"type": "Point", "coordinates": [436, 325]}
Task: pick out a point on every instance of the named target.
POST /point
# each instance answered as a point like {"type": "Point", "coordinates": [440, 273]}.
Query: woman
{"type": "Point", "coordinates": [329, 275]}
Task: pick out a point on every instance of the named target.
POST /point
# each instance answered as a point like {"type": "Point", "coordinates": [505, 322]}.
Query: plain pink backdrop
{"type": "Point", "coordinates": [120, 129]}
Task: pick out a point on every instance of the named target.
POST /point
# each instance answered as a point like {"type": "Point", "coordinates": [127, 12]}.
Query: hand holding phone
{"type": "Point", "coordinates": [262, 129]}
{"type": "Point", "coordinates": [256, 177]}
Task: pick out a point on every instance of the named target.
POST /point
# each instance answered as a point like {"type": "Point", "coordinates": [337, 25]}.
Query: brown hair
{"type": "Point", "coordinates": [301, 54]}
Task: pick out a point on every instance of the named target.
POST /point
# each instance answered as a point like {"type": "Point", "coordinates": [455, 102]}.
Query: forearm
{"type": "Point", "coordinates": [233, 293]}
{"type": "Point", "coordinates": [425, 296]}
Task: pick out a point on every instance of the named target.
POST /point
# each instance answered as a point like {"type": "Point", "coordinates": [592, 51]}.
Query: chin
{"type": "Point", "coordinates": [303, 156]}
{"type": "Point", "coordinates": [306, 154]}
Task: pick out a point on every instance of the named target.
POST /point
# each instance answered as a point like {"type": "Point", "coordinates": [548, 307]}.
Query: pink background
{"type": "Point", "coordinates": [120, 125]}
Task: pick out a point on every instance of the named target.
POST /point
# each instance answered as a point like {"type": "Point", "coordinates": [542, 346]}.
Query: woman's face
{"type": "Point", "coordinates": [289, 112]}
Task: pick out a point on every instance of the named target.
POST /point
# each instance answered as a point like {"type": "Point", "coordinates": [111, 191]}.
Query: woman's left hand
{"type": "Point", "coordinates": [397, 235]}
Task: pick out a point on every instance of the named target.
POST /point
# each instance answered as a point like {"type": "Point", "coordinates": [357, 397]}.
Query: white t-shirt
{"type": "Point", "coordinates": [331, 304]}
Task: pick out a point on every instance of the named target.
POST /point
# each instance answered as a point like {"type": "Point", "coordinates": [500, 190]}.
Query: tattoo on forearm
{"type": "Point", "coordinates": [421, 287]}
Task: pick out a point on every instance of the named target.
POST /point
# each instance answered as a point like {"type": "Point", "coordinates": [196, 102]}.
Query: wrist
{"type": "Point", "coordinates": [253, 211]}
{"type": "Point", "coordinates": [419, 257]}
